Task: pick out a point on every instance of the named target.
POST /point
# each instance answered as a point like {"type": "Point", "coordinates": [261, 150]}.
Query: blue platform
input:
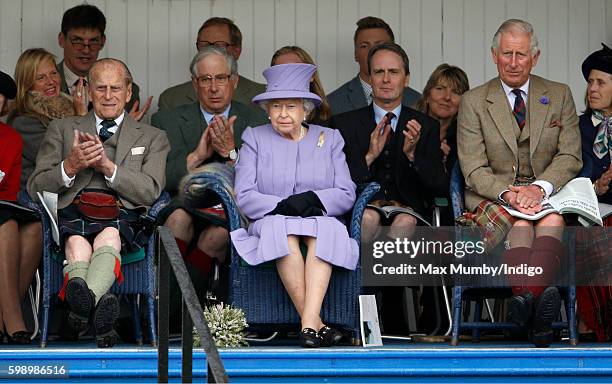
{"type": "Point", "coordinates": [485, 362]}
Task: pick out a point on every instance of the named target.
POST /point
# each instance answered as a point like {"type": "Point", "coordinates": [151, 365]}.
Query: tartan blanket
{"type": "Point", "coordinates": [198, 188]}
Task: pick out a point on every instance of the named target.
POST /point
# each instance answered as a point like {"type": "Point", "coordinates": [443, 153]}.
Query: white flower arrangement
{"type": "Point", "coordinates": [226, 324]}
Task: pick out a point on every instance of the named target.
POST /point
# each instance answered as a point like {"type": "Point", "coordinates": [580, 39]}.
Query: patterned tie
{"type": "Point", "coordinates": [601, 145]}
{"type": "Point", "coordinates": [105, 134]}
{"type": "Point", "coordinates": [520, 110]}
{"type": "Point", "coordinates": [389, 116]}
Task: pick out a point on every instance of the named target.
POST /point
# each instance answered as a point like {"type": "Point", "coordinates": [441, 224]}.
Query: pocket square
{"type": "Point", "coordinates": [138, 150]}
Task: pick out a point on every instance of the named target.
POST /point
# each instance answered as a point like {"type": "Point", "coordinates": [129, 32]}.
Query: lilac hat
{"type": "Point", "coordinates": [288, 81]}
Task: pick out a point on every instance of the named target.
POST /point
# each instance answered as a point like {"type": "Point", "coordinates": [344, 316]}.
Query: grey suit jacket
{"type": "Point", "coordinates": [349, 96]}
{"type": "Point", "coordinates": [184, 126]}
{"type": "Point", "coordinates": [140, 177]}
{"type": "Point", "coordinates": [185, 94]}
{"type": "Point", "coordinates": [135, 88]}
{"type": "Point", "coordinates": [487, 141]}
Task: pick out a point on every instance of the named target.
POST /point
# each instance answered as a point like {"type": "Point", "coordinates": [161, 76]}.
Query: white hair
{"type": "Point", "coordinates": [520, 26]}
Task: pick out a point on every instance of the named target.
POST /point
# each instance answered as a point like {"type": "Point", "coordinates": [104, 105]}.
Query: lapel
{"type": "Point", "coordinates": [367, 123]}
{"type": "Point", "coordinates": [235, 110]}
{"type": "Point", "coordinates": [60, 70]}
{"type": "Point", "coordinates": [129, 132]}
{"type": "Point", "coordinates": [355, 93]}
{"type": "Point", "coordinates": [537, 111]}
{"type": "Point", "coordinates": [193, 125]}
{"type": "Point", "coordinates": [501, 114]}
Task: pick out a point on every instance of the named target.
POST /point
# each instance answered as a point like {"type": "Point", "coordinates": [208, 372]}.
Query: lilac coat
{"type": "Point", "coordinates": [272, 168]}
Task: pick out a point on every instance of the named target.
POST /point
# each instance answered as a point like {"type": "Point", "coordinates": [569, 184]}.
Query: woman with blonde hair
{"type": "Point", "coordinates": [38, 101]}
{"type": "Point", "coordinates": [290, 54]}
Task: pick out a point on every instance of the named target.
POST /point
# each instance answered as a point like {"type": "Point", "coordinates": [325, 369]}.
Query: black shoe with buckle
{"type": "Point", "coordinates": [546, 310]}
{"type": "Point", "coordinates": [520, 308]}
{"type": "Point", "coordinates": [309, 338]}
{"type": "Point", "coordinates": [106, 313]}
{"type": "Point", "coordinates": [329, 336]}
{"type": "Point", "coordinates": [81, 302]}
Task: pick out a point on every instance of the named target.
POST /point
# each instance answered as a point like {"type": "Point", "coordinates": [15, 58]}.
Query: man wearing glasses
{"type": "Point", "coordinates": [205, 131]}
{"type": "Point", "coordinates": [82, 38]}
{"type": "Point", "coordinates": [222, 33]}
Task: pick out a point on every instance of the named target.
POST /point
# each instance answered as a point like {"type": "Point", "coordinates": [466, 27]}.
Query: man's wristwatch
{"type": "Point", "coordinates": [232, 156]}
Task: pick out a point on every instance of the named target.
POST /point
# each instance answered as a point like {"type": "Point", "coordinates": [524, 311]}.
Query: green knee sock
{"type": "Point", "coordinates": [101, 275]}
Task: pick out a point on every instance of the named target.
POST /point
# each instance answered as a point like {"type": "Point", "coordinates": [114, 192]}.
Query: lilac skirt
{"type": "Point", "coordinates": [266, 239]}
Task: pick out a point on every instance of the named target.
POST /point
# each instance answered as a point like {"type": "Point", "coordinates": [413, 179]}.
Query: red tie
{"type": "Point", "coordinates": [389, 118]}
{"type": "Point", "coordinates": [519, 111]}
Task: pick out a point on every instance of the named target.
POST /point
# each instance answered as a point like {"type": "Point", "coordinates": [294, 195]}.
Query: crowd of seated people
{"type": "Point", "coordinates": [296, 157]}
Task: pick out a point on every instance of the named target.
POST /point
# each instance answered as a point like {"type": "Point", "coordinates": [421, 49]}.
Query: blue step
{"type": "Point", "coordinates": [484, 362]}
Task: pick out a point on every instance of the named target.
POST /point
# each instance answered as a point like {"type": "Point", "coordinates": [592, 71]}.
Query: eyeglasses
{"type": "Point", "coordinates": [219, 44]}
{"type": "Point", "coordinates": [206, 80]}
{"type": "Point", "coordinates": [79, 45]}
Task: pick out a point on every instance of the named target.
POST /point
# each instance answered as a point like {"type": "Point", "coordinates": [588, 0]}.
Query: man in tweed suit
{"type": "Point", "coordinates": [518, 143]}
{"type": "Point", "coordinates": [107, 151]}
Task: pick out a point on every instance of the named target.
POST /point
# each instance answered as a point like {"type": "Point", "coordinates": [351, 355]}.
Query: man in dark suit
{"type": "Point", "coordinates": [208, 130]}
{"type": "Point", "coordinates": [222, 33]}
{"type": "Point", "coordinates": [357, 93]}
{"type": "Point", "coordinates": [399, 148]}
{"type": "Point", "coordinates": [82, 38]}
{"type": "Point", "coordinates": [121, 160]}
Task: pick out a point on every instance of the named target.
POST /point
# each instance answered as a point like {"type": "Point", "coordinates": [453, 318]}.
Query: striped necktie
{"type": "Point", "coordinates": [105, 134]}
{"type": "Point", "coordinates": [520, 110]}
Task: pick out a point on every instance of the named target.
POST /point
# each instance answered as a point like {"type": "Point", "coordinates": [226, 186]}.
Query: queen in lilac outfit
{"type": "Point", "coordinates": [293, 183]}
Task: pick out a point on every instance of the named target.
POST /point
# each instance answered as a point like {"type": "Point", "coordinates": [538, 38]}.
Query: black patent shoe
{"type": "Point", "coordinates": [19, 338]}
{"type": "Point", "coordinates": [329, 336]}
{"type": "Point", "coordinates": [309, 338]}
{"type": "Point", "coordinates": [81, 302]}
{"type": "Point", "coordinates": [520, 308]}
{"type": "Point", "coordinates": [105, 315]}
{"type": "Point", "coordinates": [546, 310]}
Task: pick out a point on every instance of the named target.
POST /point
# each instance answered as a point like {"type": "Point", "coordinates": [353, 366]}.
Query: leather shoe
{"type": "Point", "coordinates": [105, 315]}
{"type": "Point", "coordinates": [19, 338]}
{"type": "Point", "coordinates": [546, 310]}
{"type": "Point", "coordinates": [309, 338]}
{"type": "Point", "coordinates": [329, 336]}
{"type": "Point", "coordinates": [520, 308]}
{"type": "Point", "coordinates": [81, 302]}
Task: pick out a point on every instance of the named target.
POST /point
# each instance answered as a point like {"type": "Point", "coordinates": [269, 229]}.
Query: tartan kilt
{"type": "Point", "coordinates": [593, 250]}
{"type": "Point", "coordinates": [492, 219]}
{"type": "Point", "coordinates": [133, 231]}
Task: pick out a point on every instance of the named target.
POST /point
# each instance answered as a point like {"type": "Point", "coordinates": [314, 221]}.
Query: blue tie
{"type": "Point", "coordinates": [105, 134]}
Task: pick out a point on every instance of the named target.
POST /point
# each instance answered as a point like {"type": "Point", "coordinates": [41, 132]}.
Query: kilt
{"type": "Point", "coordinates": [202, 217]}
{"type": "Point", "coordinates": [494, 221]}
{"type": "Point", "coordinates": [593, 249]}
{"type": "Point", "coordinates": [134, 232]}
{"type": "Point", "coordinates": [13, 211]}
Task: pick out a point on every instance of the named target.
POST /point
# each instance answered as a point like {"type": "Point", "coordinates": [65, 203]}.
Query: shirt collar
{"type": "Point", "coordinates": [118, 121]}
{"type": "Point", "coordinates": [379, 113]}
{"type": "Point", "coordinates": [208, 116]}
{"type": "Point", "coordinates": [70, 77]}
{"type": "Point", "coordinates": [508, 90]}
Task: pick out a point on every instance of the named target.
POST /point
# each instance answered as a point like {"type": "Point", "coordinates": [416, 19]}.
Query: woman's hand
{"type": "Point", "coordinates": [79, 99]}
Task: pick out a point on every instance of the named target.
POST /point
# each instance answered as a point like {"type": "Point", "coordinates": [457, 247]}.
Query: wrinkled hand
{"type": "Point", "coordinates": [139, 114]}
{"type": "Point", "coordinates": [602, 185]}
{"type": "Point", "coordinates": [84, 153]}
{"type": "Point", "coordinates": [222, 134]}
{"type": "Point", "coordinates": [104, 165]}
{"type": "Point", "coordinates": [203, 151]}
{"type": "Point", "coordinates": [412, 134]}
{"type": "Point", "coordinates": [78, 98]}
{"type": "Point", "coordinates": [527, 196]}
{"type": "Point", "coordinates": [378, 139]}
{"type": "Point", "coordinates": [510, 198]}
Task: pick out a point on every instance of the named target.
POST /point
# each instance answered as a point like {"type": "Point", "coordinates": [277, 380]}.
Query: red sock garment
{"type": "Point", "coordinates": [200, 260]}
{"type": "Point", "coordinates": [514, 257]}
{"type": "Point", "coordinates": [546, 252]}
{"type": "Point", "coordinates": [182, 246]}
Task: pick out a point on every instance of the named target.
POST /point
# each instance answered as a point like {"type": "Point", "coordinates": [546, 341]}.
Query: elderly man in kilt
{"type": "Point", "coordinates": [107, 170]}
{"type": "Point", "coordinates": [518, 143]}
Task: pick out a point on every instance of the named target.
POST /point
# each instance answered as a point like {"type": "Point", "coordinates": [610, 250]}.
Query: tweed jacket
{"type": "Point", "coordinates": [185, 94]}
{"type": "Point", "coordinates": [184, 126]}
{"type": "Point", "coordinates": [140, 157]}
{"type": "Point", "coordinates": [488, 145]}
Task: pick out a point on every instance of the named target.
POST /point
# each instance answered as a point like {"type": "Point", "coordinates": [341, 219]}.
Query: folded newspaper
{"type": "Point", "coordinates": [577, 196]}
{"type": "Point", "coordinates": [49, 203]}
